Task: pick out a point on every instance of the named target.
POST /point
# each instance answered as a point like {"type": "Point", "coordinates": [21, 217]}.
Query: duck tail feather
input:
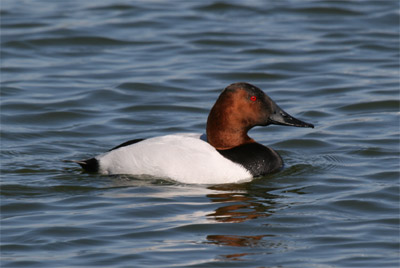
{"type": "Point", "coordinates": [89, 165]}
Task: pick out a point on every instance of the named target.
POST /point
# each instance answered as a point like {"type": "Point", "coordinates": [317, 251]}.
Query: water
{"type": "Point", "coordinates": [80, 77]}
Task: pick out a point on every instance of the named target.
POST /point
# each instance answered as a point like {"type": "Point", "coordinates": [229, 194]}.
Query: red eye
{"type": "Point", "coordinates": [253, 98]}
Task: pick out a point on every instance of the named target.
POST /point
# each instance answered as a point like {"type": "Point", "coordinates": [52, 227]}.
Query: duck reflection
{"type": "Point", "coordinates": [239, 204]}
{"type": "Point", "coordinates": [235, 240]}
{"type": "Point", "coordinates": [264, 242]}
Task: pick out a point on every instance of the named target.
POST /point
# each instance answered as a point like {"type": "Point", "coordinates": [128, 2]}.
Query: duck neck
{"type": "Point", "coordinates": [225, 133]}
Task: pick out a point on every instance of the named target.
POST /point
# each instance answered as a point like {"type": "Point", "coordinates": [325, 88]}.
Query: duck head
{"type": "Point", "coordinates": [240, 107]}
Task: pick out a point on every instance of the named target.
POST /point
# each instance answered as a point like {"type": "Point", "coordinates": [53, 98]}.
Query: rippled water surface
{"type": "Point", "coordinates": [80, 77]}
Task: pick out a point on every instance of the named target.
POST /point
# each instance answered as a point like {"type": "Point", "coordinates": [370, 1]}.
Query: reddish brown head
{"type": "Point", "coordinates": [240, 107]}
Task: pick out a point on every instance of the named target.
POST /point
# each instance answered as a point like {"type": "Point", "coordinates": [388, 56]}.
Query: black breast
{"type": "Point", "coordinates": [256, 158]}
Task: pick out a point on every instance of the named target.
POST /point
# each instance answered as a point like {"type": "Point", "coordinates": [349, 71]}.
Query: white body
{"type": "Point", "coordinates": [182, 157]}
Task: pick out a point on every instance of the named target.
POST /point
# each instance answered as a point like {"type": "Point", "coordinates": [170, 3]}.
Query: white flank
{"type": "Point", "coordinates": [181, 157]}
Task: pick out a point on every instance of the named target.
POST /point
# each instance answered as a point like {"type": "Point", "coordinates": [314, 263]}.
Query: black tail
{"type": "Point", "coordinates": [89, 165]}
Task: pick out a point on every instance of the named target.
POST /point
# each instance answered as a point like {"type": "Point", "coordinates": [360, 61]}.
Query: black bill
{"type": "Point", "coordinates": [280, 117]}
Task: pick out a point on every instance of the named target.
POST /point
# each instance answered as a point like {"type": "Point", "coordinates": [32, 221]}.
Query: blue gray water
{"type": "Point", "coordinates": [80, 77]}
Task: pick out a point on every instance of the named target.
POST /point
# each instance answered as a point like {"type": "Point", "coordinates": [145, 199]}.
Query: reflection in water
{"type": "Point", "coordinates": [246, 210]}
{"type": "Point", "coordinates": [240, 203]}
{"type": "Point", "coordinates": [234, 240]}
{"type": "Point", "coordinates": [236, 257]}
{"type": "Point", "coordinates": [259, 241]}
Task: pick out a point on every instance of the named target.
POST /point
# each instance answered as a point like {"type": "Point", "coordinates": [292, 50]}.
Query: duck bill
{"type": "Point", "coordinates": [280, 117]}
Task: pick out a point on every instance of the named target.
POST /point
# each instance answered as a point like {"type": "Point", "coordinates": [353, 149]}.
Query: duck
{"type": "Point", "coordinates": [224, 154]}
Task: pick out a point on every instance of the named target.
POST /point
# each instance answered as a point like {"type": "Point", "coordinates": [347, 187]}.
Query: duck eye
{"type": "Point", "coordinates": [253, 98]}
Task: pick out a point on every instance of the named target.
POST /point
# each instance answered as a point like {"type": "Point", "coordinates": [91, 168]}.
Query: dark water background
{"type": "Point", "coordinates": [79, 77]}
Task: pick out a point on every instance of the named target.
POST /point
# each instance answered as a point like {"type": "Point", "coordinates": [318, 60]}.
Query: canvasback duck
{"type": "Point", "coordinates": [226, 154]}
